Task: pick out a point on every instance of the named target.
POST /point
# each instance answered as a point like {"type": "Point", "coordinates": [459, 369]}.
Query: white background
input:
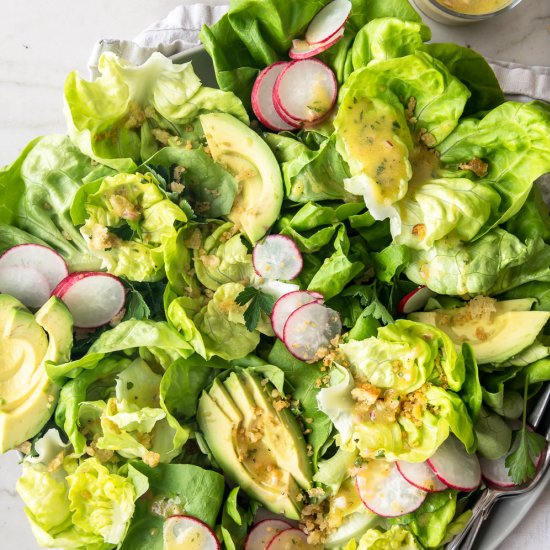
{"type": "Point", "coordinates": [41, 41]}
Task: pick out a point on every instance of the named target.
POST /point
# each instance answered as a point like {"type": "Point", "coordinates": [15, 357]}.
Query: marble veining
{"type": "Point", "coordinates": [40, 42]}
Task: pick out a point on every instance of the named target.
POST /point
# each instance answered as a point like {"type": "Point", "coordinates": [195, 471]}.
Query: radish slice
{"type": "Point", "coordinates": [496, 473]}
{"type": "Point", "coordinates": [52, 266]}
{"type": "Point", "coordinates": [287, 539]}
{"type": "Point", "coordinates": [277, 257]}
{"type": "Point", "coordinates": [310, 329]}
{"type": "Point", "coordinates": [26, 284]}
{"type": "Point", "coordinates": [415, 300]}
{"type": "Point", "coordinates": [420, 475]}
{"type": "Point", "coordinates": [188, 533]}
{"type": "Point", "coordinates": [455, 467]}
{"type": "Point", "coordinates": [305, 91]}
{"type": "Point", "coordinates": [262, 99]}
{"type": "Point", "coordinates": [93, 298]}
{"type": "Point", "coordinates": [262, 533]}
{"type": "Point", "coordinates": [384, 491]}
{"type": "Point", "coordinates": [286, 305]}
{"type": "Point", "coordinates": [330, 20]}
{"type": "Point", "coordinates": [277, 288]}
{"type": "Point", "coordinates": [302, 49]}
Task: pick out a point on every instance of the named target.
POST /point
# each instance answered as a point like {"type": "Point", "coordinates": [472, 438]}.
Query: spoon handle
{"type": "Point", "coordinates": [479, 512]}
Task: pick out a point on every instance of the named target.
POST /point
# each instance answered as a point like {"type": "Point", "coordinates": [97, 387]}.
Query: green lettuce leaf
{"type": "Point", "coordinates": [417, 378]}
{"type": "Point", "coordinates": [312, 171]}
{"type": "Point", "coordinates": [36, 193]}
{"type": "Point", "coordinates": [386, 38]}
{"type": "Point", "coordinates": [396, 538]}
{"type": "Point", "coordinates": [173, 489]}
{"type": "Point", "coordinates": [121, 118]}
{"type": "Point", "coordinates": [79, 505]}
{"type": "Point", "coordinates": [222, 257]}
{"type": "Point", "coordinates": [430, 522]}
{"type": "Point", "coordinates": [471, 69]}
{"type": "Point", "coordinates": [512, 169]}
{"type": "Point", "coordinates": [109, 508]}
{"type": "Point", "coordinates": [488, 264]}
{"type": "Point", "coordinates": [154, 339]}
{"type": "Point", "coordinates": [337, 270]}
{"type": "Point", "coordinates": [193, 176]}
{"type": "Point", "coordinates": [221, 323]}
{"type": "Point", "coordinates": [126, 220]}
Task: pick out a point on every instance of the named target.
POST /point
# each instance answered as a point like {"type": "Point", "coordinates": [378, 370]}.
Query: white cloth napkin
{"type": "Point", "coordinates": [179, 31]}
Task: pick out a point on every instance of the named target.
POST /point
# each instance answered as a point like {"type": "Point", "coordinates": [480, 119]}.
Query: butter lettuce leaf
{"type": "Point", "coordinates": [455, 207]}
{"type": "Point", "coordinates": [76, 505]}
{"type": "Point", "coordinates": [472, 69]}
{"type": "Point", "coordinates": [401, 381]}
{"type": "Point", "coordinates": [395, 538]}
{"type": "Point", "coordinates": [36, 194]}
{"type": "Point", "coordinates": [385, 38]}
{"type": "Point", "coordinates": [193, 176]}
{"type": "Point", "coordinates": [126, 220]}
{"type": "Point", "coordinates": [221, 323]}
{"type": "Point", "coordinates": [313, 170]}
{"type": "Point", "coordinates": [121, 118]}
{"type": "Point", "coordinates": [457, 268]}
{"type": "Point", "coordinates": [173, 489]}
{"type": "Point", "coordinates": [514, 140]}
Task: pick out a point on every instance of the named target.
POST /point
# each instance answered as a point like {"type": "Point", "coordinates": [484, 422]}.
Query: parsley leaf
{"type": "Point", "coordinates": [521, 463]}
{"type": "Point", "coordinates": [257, 301]}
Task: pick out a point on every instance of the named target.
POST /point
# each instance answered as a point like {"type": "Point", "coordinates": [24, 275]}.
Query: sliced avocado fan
{"type": "Point", "coordinates": [258, 446]}
{"type": "Point", "coordinates": [27, 341]}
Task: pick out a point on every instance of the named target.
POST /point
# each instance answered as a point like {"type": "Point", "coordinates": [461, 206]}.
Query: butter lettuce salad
{"type": "Point", "coordinates": [306, 309]}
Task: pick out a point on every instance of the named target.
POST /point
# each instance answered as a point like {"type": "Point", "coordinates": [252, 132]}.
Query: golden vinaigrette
{"type": "Point", "coordinates": [474, 7]}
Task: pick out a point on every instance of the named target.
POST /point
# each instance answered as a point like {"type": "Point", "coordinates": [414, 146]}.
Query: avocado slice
{"type": "Point", "coordinates": [244, 154]}
{"type": "Point", "coordinates": [260, 448]}
{"type": "Point", "coordinates": [26, 342]}
{"type": "Point", "coordinates": [55, 318]}
{"type": "Point", "coordinates": [283, 433]}
{"type": "Point", "coordinates": [221, 435]}
{"type": "Point", "coordinates": [496, 336]}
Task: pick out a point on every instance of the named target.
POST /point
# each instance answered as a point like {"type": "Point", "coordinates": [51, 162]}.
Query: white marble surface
{"type": "Point", "coordinates": [40, 42]}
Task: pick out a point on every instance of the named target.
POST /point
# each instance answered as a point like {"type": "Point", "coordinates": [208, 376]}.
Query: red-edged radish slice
{"type": "Point", "coordinates": [455, 467]}
{"type": "Point", "coordinates": [310, 329]}
{"type": "Point", "coordinates": [93, 298]}
{"type": "Point", "coordinates": [286, 305]}
{"type": "Point", "coordinates": [277, 257]}
{"type": "Point", "coordinates": [302, 49]}
{"type": "Point", "coordinates": [263, 532]}
{"type": "Point", "coordinates": [262, 99]}
{"type": "Point", "coordinates": [26, 284]}
{"type": "Point", "coordinates": [42, 258]}
{"type": "Point", "coordinates": [305, 91]}
{"type": "Point", "coordinates": [289, 539]}
{"type": "Point", "coordinates": [495, 472]}
{"type": "Point", "coordinates": [415, 300]}
{"type": "Point", "coordinates": [188, 533]}
{"type": "Point", "coordinates": [421, 476]}
{"type": "Point", "coordinates": [385, 492]}
{"type": "Point", "coordinates": [329, 21]}
{"type": "Point", "coordinates": [277, 288]}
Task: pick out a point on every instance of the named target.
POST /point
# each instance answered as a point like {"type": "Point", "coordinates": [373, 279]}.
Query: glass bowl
{"type": "Point", "coordinates": [438, 11]}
